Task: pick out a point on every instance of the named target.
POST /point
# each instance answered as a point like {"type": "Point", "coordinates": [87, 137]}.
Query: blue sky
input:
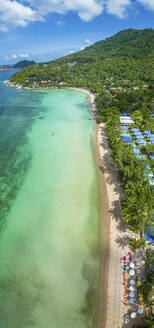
{"type": "Point", "coordinates": [43, 30]}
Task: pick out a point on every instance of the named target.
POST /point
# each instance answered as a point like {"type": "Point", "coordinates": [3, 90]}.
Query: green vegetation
{"type": "Point", "coordinates": [138, 197]}
{"type": "Point", "coordinates": [127, 56]}
{"type": "Point", "coordinates": [136, 244]}
{"type": "Point", "coordinates": [149, 259]}
{"type": "Point", "coordinates": [24, 63]}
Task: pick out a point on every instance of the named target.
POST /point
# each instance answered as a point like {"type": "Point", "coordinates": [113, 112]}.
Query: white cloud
{"type": "Point", "coordinates": [86, 9]}
{"type": "Point", "coordinates": [22, 12]}
{"type": "Point", "coordinates": [87, 42]}
{"type": "Point", "coordinates": [14, 56]}
{"type": "Point", "coordinates": [24, 55]}
{"type": "Point", "coordinates": [14, 13]}
{"type": "Point", "coordinates": [117, 7]}
{"type": "Point", "coordinates": [60, 23]}
{"type": "Point", "coordinates": [147, 3]}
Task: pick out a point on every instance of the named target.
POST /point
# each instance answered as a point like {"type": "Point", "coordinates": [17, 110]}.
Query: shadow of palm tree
{"type": "Point", "coordinates": [115, 210]}
{"type": "Point", "coordinates": [122, 241]}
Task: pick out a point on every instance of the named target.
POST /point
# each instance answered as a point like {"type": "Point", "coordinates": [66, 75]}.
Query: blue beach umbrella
{"type": "Point", "coordinates": [147, 132]}
{"type": "Point", "coordinates": [125, 134]}
{"type": "Point", "coordinates": [132, 300]}
{"type": "Point", "coordinates": [137, 133]}
{"type": "Point", "coordinates": [127, 139]}
{"type": "Point", "coordinates": [123, 127]}
{"type": "Point", "coordinates": [135, 130]}
{"type": "Point", "coordinates": [139, 137]}
{"type": "Point", "coordinates": [141, 142]}
{"type": "Point", "coordinates": [136, 151]}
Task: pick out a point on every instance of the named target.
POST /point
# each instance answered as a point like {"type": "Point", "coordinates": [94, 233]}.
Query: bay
{"type": "Point", "coordinates": [49, 213]}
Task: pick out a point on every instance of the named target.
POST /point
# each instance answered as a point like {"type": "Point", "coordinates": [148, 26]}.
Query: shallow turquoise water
{"type": "Point", "coordinates": [49, 237]}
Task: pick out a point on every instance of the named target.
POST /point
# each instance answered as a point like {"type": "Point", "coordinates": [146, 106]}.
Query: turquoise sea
{"type": "Point", "coordinates": [49, 210]}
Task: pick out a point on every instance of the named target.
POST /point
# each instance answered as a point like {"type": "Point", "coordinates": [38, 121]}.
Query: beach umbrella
{"type": "Point", "coordinates": [140, 310]}
{"type": "Point", "coordinates": [136, 151]}
{"type": "Point", "coordinates": [132, 282]}
{"type": "Point", "coordinates": [131, 272]}
{"type": "Point", "coordinates": [131, 265]}
{"type": "Point", "coordinates": [133, 315]}
{"type": "Point", "coordinates": [135, 129]}
{"type": "Point", "coordinates": [132, 288]}
{"type": "Point", "coordinates": [126, 320]}
{"type": "Point", "coordinates": [138, 271]}
{"type": "Point", "coordinates": [124, 127]}
{"type": "Point", "coordinates": [124, 134]}
{"type": "Point", "coordinates": [147, 132]}
{"type": "Point", "coordinates": [132, 300]}
{"type": "Point", "coordinates": [141, 298]}
{"type": "Point", "coordinates": [131, 294]}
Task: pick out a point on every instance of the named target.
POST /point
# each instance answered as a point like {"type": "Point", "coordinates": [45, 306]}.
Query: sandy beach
{"type": "Point", "coordinates": [115, 309]}
{"type": "Point", "coordinates": [113, 237]}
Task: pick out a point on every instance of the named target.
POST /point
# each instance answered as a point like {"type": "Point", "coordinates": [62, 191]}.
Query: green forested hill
{"type": "Point", "coordinates": [128, 55]}
{"type": "Point", "coordinates": [24, 63]}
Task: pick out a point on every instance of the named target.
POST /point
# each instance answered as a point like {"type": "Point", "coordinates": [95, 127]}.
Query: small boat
{"type": "Point", "coordinates": [41, 117]}
{"type": "Point", "coordinates": [52, 133]}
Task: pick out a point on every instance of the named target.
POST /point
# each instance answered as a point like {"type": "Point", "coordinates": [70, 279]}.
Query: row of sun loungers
{"type": "Point", "coordinates": [131, 277]}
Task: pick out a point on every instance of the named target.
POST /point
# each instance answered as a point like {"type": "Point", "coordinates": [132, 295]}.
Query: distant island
{"type": "Point", "coordinates": [24, 63]}
{"type": "Point", "coordinates": [5, 67]}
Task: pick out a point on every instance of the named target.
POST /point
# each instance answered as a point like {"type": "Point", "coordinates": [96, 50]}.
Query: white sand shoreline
{"type": "Point", "coordinates": [111, 308]}
{"type": "Point", "coordinates": [90, 95]}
